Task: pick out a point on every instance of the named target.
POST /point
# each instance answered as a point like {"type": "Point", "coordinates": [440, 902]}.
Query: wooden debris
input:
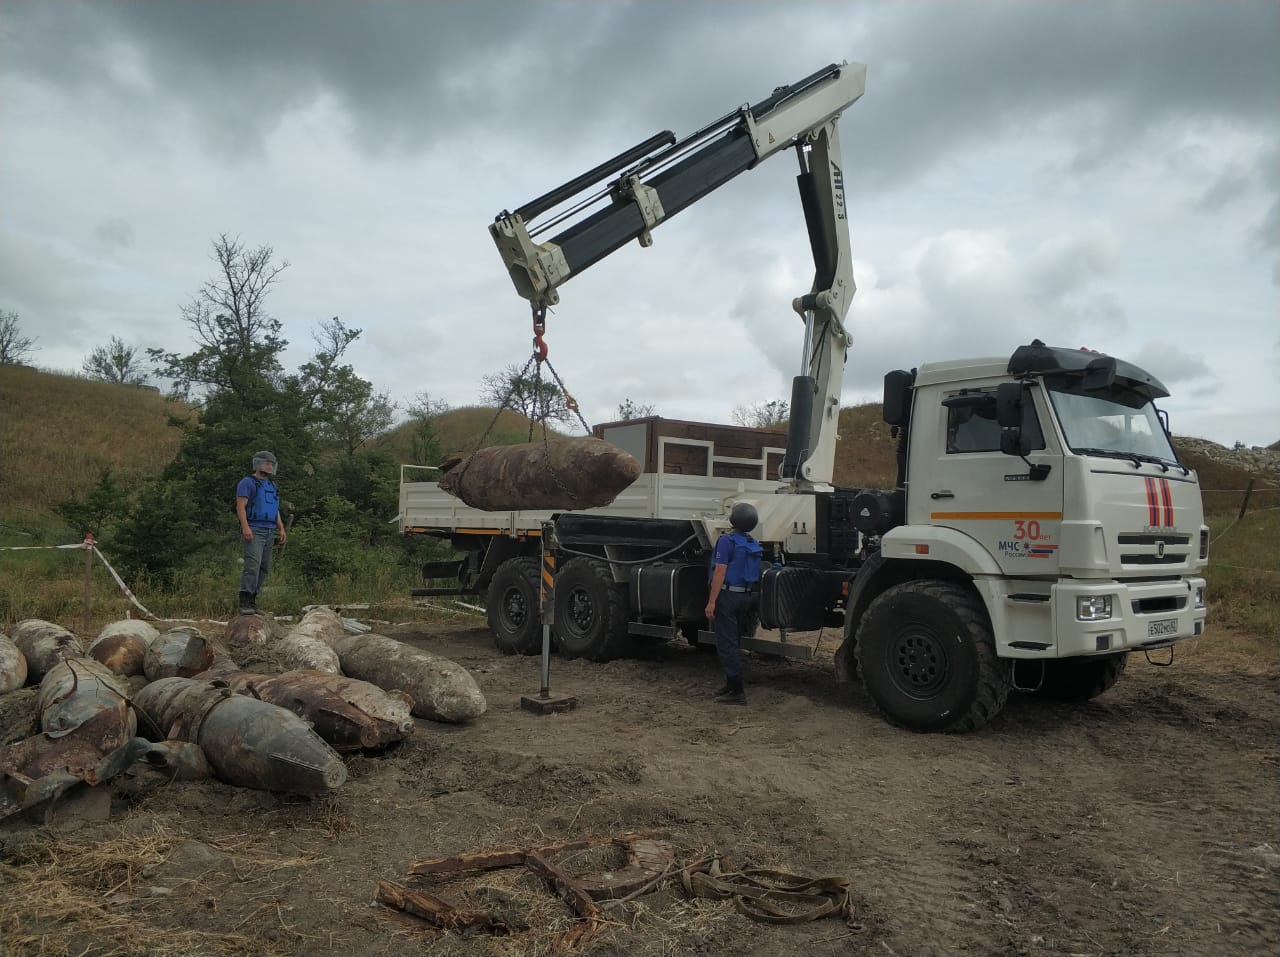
{"type": "Point", "coordinates": [646, 860]}
{"type": "Point", "coordinates": [440, 913]}
{"type": "Point", "coordinates": [490, 860]}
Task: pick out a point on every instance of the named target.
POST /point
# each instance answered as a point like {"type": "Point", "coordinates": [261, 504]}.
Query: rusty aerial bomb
{"type": "Point", "coordinates": [122, 646]}
{"type": "Point", "coordinates": [441, 689]}
{"type": "Point", "coordinates": [557, 474]}
{"type": "Point", "coordinates": [13, 666]}
{"type": "Point", "coordinates": [87, 736]}
{"type": "Point", "coordinates": [245, 630]}
{"type": "Point", "coordinates": [78, 689]}
{"type": "Point", "coordinates": [347, 713]}
{"type": "Point", "coordinates": [178, 653]}
{"type": "Point", "coordinates": [248, 742]}
{"type": "Point", "coordinates": [44, 644]}
{"type": "Point", "coordinates": [300, 649]}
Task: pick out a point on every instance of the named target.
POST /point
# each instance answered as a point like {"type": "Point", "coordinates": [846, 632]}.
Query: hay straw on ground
{"type": "Point", "coordinates": [57, 901]}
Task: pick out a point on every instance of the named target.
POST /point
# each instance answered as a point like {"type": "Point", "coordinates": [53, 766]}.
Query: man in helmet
{"type": "Point", "coordinates": [258, 508]}
{"type": "Point", "coordinates": [734, 578]}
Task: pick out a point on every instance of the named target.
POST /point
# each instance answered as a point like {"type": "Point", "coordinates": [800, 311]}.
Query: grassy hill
{"type": "Point", "coordinates": [58, 431]}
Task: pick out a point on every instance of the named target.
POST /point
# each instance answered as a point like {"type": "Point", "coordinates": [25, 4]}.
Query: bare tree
{"type": "Point", "coordinates": [14, 346]}
{"type": "Point", "coordinates": [424, 416]}
{"type": "Point", "coordinates": [238, 342]}
{"type": "Point", "coordinates": [532, 396]}
{"type": "Point", "coordinates": [115, 362]}
{"type": "Point", "coordinates": [628, 410]}
{"type": "Point", "coordinates": [763, 415]}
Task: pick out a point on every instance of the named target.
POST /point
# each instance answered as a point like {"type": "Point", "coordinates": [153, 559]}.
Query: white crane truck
{"type": "Point", "coordinates": [1041, 527]}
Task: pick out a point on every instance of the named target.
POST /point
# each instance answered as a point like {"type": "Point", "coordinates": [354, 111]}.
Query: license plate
{"type": "Point", "coordinates": [1162, 628]}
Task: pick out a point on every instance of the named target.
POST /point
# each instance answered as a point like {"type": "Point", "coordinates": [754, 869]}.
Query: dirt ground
{"type": "Point", "coordinates": [1145, 822]}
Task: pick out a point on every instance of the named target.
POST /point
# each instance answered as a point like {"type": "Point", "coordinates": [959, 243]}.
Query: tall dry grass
{"type": "Point", "coordinates": [58, 431]}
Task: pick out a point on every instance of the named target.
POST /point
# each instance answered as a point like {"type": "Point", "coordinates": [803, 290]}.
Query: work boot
{"type": "Point", "coordinates": [724, 689]}
{"type": "Point", "coordinates": [246, 604]}
{"type": "Point", "coordinates": [734, 693]}
{"type": "Point", "coordinates": [253, 604]}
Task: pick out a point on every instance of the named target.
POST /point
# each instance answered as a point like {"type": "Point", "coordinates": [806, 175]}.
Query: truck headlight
{"type": "Point", "coordinates": [1093, 607]}
{"type": "Point", "coordinates": [1200, 597]}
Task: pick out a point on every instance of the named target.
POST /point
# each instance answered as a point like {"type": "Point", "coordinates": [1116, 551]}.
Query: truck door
{"type": "Point", "coordinates": [960, 479]}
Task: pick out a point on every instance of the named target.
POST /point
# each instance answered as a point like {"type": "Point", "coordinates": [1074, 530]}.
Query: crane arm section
{"type": "Point", "coordinates": [625, 198]}
{"type": "Point", "coordinates": [658, 178]}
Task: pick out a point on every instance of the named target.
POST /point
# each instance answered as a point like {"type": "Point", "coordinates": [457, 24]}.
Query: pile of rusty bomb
{"type": "Point", "coordinates": [177, 701]}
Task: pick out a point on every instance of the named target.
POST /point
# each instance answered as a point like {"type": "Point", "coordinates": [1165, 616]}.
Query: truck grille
{"type": "Point", "coordinates": [1153, 606]}
{"type": "Point", "coordinates": [1157, 548]}
{"type": "Point", "coordinates": [1169, 558]}
{"type": "Point", "coordinates": [1150, 538]}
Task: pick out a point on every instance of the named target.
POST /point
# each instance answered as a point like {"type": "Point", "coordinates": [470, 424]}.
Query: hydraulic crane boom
{"type": "Point", "coordinates": [629, 195]}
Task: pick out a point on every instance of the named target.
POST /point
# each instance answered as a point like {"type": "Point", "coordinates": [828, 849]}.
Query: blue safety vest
{"type": "Point", "coordinates": [264, 504]}
{"type": "Point", "coordinates": [745, 554]}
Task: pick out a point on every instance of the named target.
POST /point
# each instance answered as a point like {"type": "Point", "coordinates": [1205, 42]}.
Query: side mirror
{"type": "Point", "coordinates": [1009, 399]}
{"type": "Point", "coordinates": [1013, 442]}
{"type": "Point", "coordinates": [897, 396]}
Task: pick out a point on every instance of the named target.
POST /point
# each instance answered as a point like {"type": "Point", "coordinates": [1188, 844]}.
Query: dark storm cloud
{"type": "Point", "coordinates": [941, 75]}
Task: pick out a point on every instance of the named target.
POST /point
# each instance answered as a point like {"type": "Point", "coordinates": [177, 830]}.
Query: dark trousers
{"type": "Point", "coordinates": [257, 559]}
{"type": "Point", "coordinates": [731, 608]}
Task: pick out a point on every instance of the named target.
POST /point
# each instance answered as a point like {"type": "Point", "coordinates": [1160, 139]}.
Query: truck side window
{"type": "Point", "coordinates": [974, 428]}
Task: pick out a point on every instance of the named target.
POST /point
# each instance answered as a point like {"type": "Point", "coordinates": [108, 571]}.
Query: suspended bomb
{"type": "Point", "coordinates": [558, 474]}
{"type": "Point", "coordinates": [13, 666]}
{"type": "Point", "coordinates": [44, 644]}
{"type": "Point", "coordinates": [177, 653]}
{"type": "Point", "coordinates": [347, 713]}
{"type": "Point", "coordinates": [441, 690]}
{"type": "Point", "coordinates": [122, 646]}
{"type": "Point", "coordinates": [247, 742]}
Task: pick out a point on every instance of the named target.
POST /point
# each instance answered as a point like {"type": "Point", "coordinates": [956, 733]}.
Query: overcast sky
{"type": "Point", "coordinates": [1092, 174]}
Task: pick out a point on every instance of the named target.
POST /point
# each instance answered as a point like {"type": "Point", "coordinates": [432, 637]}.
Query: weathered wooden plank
{"type": "Point", "coordinates": [490, 860]}
{"type": "Point", "coordinates": [439, 912]}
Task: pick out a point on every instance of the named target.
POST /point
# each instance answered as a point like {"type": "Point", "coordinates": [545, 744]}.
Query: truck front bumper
{"type": "Point", "coordinates": [1142, 615]}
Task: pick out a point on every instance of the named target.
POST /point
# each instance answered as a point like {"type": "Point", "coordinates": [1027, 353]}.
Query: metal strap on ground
{"type": "Point", "coordinates": [772, 896]}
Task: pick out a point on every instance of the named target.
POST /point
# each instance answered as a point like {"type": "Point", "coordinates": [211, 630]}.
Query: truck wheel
{"type": "Point", "coordinates": [928, 658]}
{"type": "Point", "coordinates": [1079, 679]}
{"type": "Point", "coordinates": [591, 611]}
{"type": "Point", "coordinates": [512, 604]}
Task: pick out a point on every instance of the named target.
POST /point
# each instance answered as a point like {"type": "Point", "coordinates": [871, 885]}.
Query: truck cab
{"type": "Point", "coordinates": [1045, 485]}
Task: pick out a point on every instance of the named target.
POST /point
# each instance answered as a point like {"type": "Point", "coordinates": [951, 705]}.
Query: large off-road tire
{"type": "Point", "coordinates": [591, 611]}
{"type": "Point", "coordinates": [511, 602]}
{"type": "Point", "coordinates": [1079, 679]}
{"type": "Point", "coordinates": [928, 658]}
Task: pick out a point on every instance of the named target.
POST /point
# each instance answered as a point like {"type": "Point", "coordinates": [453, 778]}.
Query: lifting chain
{"type": "Point", "coordinates": [531, 375]}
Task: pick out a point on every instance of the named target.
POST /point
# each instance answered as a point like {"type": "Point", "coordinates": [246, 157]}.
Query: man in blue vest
{"type": "Point", "coordinates": [258, 507]}
{"type": "Point", "coordinates": [734, 579]}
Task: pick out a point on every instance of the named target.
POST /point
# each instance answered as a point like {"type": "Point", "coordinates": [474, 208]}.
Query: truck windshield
{"type": "Point", "coordinates": [1115, 422]}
